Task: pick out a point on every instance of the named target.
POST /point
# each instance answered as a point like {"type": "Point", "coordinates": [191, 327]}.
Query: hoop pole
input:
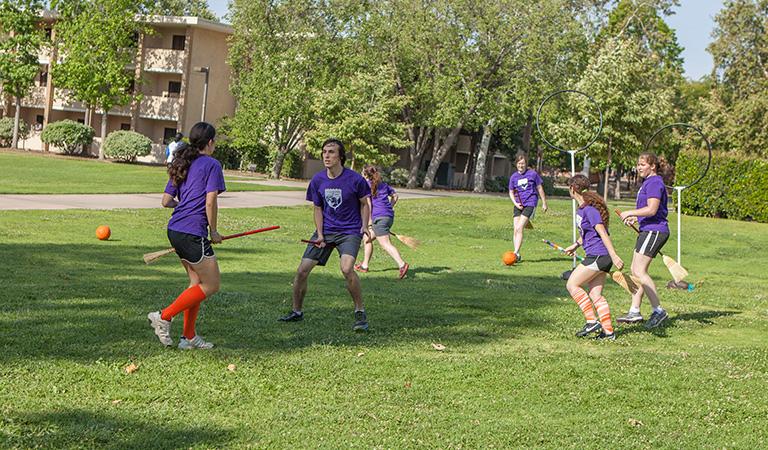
{"type": "Point", "coordinates": [679, 190]}
{"type": "Point", "coordinates": [573, 201]}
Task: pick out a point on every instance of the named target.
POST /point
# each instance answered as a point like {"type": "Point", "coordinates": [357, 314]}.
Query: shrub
{"type": "Point", "coordinates": [497, 184]}
{"type": "Point", "coordinates": [395, 177]}
{"type": "Point", "coordinates": [548, 183]}
{"type": "Point", "coordinates": [6, 131]}
{"type": "Point", "coordinates": [67, 135]}
{"type": "Point", "coordinates": [126, 145]}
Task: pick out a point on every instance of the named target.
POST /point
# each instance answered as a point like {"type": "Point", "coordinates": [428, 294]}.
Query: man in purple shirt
{"type": "Point", "coordinates": [341, 213]}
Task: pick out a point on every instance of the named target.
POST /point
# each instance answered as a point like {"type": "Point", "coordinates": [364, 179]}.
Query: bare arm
{"type": "Point", "coordinates": [212, 213]}
{"type": "Point", "coordinates": [365, 213]}
{"type": "Point", "coordinates": [600, 228]}
{"type": "Point", "coordinates": [514, 200]}
{"type": "Point", "coordinates": [168, 201]}
{"type": "Point", "coordinates": [318, 216]}
{"type": "Point", "coordinates": [540, 189]}
{"type": "Point", "coordinates": [393, 199]}
{"type": "Point", "coordinates": [648, 211]}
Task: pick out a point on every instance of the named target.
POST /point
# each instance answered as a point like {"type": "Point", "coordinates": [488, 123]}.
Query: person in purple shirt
{"type": "Point", "coordinates": [383, 200]}
{"type": "Point", "coordinates": [195, 181]}
{"type": "Point", "coordinates": [525, 188]}
{"type": "Point", "coordinates": [341, 212]}
{"type": "Point", "coordinates": [592, 220]}
{"type": "Point", "coordinates": [651, 213]}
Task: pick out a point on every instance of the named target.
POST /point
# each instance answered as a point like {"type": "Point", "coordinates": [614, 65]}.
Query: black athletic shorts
{"type": "Point", "coordinates": [602, 263]}
{"type": "Point", "coordinates": [527, 211]}
{"type": "Point", "coordinates": [649, 243]}
{"type": "Point", "coordinates": [346, 244]}
{"type": "Point", "coordinates": [189, 247]}
{"type": "Point", "coordinates": [382, 225]}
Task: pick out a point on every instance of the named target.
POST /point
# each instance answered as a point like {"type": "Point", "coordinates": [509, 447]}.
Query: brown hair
{"type": "Point", "coordinates": [199, 137]}
{"type": "Point", "coordinates": [521, 157]}
{"type": "Point", "coordinates": [580, 184]}
{"type": "Point", "coordinates": [372, 174]}
{"type": "Point", "coordinates": [661, 166]}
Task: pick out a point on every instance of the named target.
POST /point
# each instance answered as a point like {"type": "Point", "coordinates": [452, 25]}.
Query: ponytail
{"type": "Point", "coordinates": [580, 184]}
{"type": "Point", "coordinates": [373, 175]}
{"type": "Point", "coordinates": [201, 134]}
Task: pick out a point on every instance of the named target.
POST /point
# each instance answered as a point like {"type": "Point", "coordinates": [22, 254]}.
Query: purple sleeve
{"type": "Point", "coordinates": [170, 189]}
{"type": "Point", "coordinates": [512, 182]}
{"type": "Point", "coordinates": [313, 195]}
{"type": "Point", "coordinates": [390, 191]}
{"type": "Point", "coordinates": [215, 179]}
{"type": "Point", "coordinates": [593, 215]}
{"type": "Point", "coordinates": [537, 179]}
{"type": "Point", "coordinates": [655, 189]}
{"type": "Point", "coordinates": [363, 189]}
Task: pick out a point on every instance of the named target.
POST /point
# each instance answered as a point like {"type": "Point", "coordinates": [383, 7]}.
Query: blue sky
{"type": "Point", "coordinates": [693, 22]}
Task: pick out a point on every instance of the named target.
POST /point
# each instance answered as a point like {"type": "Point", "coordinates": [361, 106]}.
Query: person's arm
{"type": "Point", "coordinates": [514, 200]}
{"type": "Point", "coordinates": [393, 199]}
{"type": "Point", "coordinates": [540, 189]}
{"type": "Point", "coordinates": [572, 248]}
{"type": "Point", "coordinates": [168, 201]}
{"type": "Point", "coordinates": [630, 216]}
{"type": "Point", "coordinates": [600, 229]}
{"type": "Point", "coordinates": [318, 215]}
{"type": "Point", "coordinates": [365, 213]}
{"type": "Point", "coordinates": [212, 213]}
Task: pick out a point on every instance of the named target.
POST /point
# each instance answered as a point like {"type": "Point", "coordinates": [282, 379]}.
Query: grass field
{"type": "Point", "coordinates": [512, 373]}
{"type": "Point", "coordinates": [35, 173]}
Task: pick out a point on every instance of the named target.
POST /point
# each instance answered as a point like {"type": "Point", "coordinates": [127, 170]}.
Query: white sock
{"type": "Point", "coordinates": [634, 310]}
{"type": "Point", "coordinates": [658, 309]}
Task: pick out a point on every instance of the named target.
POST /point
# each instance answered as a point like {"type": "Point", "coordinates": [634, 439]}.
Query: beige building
{"type": "Point", "coordinates": [181, 74]}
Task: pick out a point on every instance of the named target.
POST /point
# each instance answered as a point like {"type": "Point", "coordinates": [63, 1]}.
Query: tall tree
{"type": "Point", "coordinates": [20, 41]}
{"type": "Point", "coordinates": [194, 8]}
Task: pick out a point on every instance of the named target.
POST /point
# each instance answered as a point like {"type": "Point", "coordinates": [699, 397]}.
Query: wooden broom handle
{"type": "Point", "coordinates": [618, 213]}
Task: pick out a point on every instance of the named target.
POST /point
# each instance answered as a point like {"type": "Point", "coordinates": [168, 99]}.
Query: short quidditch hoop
{"type": "Point", "coordinates": [703, 136]}
{"type": "Point", "coordinates": [574, 91]}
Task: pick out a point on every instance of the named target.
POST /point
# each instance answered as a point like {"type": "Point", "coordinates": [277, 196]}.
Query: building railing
{"type": "Point", "coordinates": [160, 108]}
{"type": "Point", "coordinates": [163, 60]}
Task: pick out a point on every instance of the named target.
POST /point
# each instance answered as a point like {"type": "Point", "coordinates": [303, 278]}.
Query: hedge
{"type": "Point", "coordinates": [6, 131]}
{"type": "Point", "coordinates": [126, 145]}
{"type": "Point", "coordinates": [67, 135]}
{"type": "Point", "coordinates": [735, 187]}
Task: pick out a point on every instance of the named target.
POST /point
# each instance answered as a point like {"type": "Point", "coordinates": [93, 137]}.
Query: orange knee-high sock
{"type": "Point", "coordinates": [189, 298]}
{"type": "Point", "coordinates": [582, 299]}
{"type": "Point", "coordinates": [190, 316]}
{"type": "Point", "coordinates": [604, 311]}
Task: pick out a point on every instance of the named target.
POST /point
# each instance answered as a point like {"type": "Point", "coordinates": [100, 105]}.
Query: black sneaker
{"type": "Point", "coordinates": [292, 317]}
{"type": "Point", "coordinates": [603, 336]}
{"type": "Point", "coordinates": [589, 328]}
{"type": "Point", "coordinates": [656, 319]}
{"type": "Point", "coordinates": [361, 321]}
{"type": "Point", "coordinates": [630, 317]}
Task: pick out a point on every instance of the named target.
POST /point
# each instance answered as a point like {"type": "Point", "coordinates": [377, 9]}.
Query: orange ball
{"type": "Point", "coordinates": [509, 258]}
{"type": "Point", "coordinates": [103, 232]}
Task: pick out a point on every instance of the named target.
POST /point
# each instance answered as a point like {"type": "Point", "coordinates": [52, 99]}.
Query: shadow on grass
{"type": "Point", "coordinates": [86, 429]}
{"type": "Point", "coordinates": [702, 317]}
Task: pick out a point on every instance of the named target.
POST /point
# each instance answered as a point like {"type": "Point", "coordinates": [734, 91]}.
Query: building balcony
{"type": "Point", "coordinates": [159, 108]}
{"type": "Point", "coordinates": [35, 99]}
{"type": "Point", "coordinates": [163, 60]}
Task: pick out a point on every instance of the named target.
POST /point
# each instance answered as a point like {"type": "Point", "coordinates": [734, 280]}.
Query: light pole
{"type": "Point", "coordinates": [206, 70]}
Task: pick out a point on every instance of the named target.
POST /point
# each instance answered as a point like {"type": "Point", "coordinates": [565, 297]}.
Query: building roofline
{"type": "Point", "coordinates": [181, 21]}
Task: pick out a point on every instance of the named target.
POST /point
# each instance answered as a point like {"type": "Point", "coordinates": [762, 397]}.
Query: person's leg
{"type": "Point", "coordinates": [367, 253]}
{"type": "Point", "coordinates": [601, 305]}
{"type": "Point", "coordinates": [640, 264]}
{"type": "Point", "coordinates": [207, 271]}
{"type": "Point", "coordinates": [300, 282]}
{"type": "Point", "coordinates": [579, 276]}
{"type": "Point", "coordinates": [190, 315]}
{"type": "Point", "coordinates": [347, 263]}
{"type": "Point", "coordinates": [386, 244]}
{"type": "Point", "coordinates": [520, 222]}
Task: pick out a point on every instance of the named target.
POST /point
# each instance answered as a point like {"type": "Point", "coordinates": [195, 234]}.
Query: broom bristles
{"type": "Point", "coordinates": [529, 225]}
{"type": "Point", "coordinates": [625, 282]}
{"type": "Point", "coordinates": [149, 258]}
{"type": "Point", "coordinates": [677, 271]}
{"type": "Point", "coordinates": [408, 241]}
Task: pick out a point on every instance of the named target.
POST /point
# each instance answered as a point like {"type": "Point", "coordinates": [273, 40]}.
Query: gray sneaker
{"type": "Point", "coordinates": [162, 328]}
{"type": "Point", "coordinates": [195, 342]}
{"type": "Point", "coordinates": [361, 321]}
{"type": "Point", "coordinates": [631, 317]}
{"type": "Point", "coordinates": [656, 319]}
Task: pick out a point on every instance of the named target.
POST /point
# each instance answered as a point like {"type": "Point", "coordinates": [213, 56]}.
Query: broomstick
{"type": "Point", "coordinates": [621, 279]}
{"type": "Point", "coordinates": [149, 258]}
{"type": "Point", "coordinates": [412, 243]}
{"type": "Point", "coordinates": [677, 271]}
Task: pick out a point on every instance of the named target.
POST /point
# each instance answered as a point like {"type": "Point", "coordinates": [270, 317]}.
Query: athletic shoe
{"type": "Point", "coordinates": [360, 268]}
{"type": "Point", "coordinates": [603, 336]}
{"type": "Point", "coordinates": [292, 317]}
{"type": "Point", "coordinates": [162, 328]}
{"type": "Point", "coordinates": [631, 317]}
{"type": "Point", "coordinates": [519, 258]}
{"type": "Point", "coordinates": [656, 319]}
{"type": "Point", "coordinates": [195, 342]}
{"type": "Point", "coordinates": [361, 321]}
{"type": "Point", "coordinates": [404, 270]}
{"type": "Point", "coordinates": [589, 328]}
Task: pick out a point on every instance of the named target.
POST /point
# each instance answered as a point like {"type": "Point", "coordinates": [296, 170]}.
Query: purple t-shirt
{"type": "Point", "coordinates": [653, 187]}
{"type": "Point", "coordinates": [189, 216]}
{"type": "Point", "coordinates": [587, 217]}
{"type": "Point", "coordinates": [524, 185]}
{"type": "Point", "coordinates": [340, 199]}
{"type": "Point", "coordinates": [381, 206]}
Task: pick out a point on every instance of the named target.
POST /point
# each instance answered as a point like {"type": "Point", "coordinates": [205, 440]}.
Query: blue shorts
{"type": "Point", "coordinates": [346, 244]}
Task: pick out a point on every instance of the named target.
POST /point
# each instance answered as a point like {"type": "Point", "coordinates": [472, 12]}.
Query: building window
{"type": "Point", "coordinates": [131, 87]}
{"type": "Point", "coordinates": [169, 134]}
{"type": "Point", "coordinates": [179, 42]}
{"type": "Point", "coordinates": [174, 87]}
{"type": "Point", "coordinates": [43, 78]}
{"type": "Point", "coordinates": [125, 126]}
{"type": "Point", "coordinates": [39, 119]}
{"type": "Point", "coordinates": [80, 121]}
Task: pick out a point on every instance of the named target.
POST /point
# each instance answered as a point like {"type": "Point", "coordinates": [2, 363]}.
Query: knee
{"type": "Point", "coordinates": [211, 287]}
{"type": "Point", "coordinates": [302, 273]}
{"type": "Point", "coordinates": [348, 272]}
{"type": "Point", "coordinates": [571, 287]}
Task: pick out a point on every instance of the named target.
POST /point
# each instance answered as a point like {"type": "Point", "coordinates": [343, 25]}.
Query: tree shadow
{"type": "Point", "coordinates": [702, 317]}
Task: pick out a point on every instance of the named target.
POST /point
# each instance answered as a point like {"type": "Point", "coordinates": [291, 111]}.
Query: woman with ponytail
{"type": "Point", "coordinates": [592, 219]}
{"type": "Point", "coordinates": [651, 212]}
{"type": "Point", "coordinates": [195, 181]}
{"type": "Point", "coordinates": [383, 200]}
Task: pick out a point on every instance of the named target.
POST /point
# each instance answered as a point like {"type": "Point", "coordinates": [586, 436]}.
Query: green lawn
{"type": "Point", "coordinates": [35, 173]}
{"type": "Point", "coordinates": [512, 374]}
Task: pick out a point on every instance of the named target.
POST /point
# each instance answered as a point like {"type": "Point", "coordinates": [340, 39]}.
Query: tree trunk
{"type": "Point", "coordinates": [539, 158]}
{"type": "Point", "coordinates": [16, 120]}
{"type": "Point", "coordinates": [482, 153]}
{"type": "Point", "coordinates": [617, 192]}
{"type": "Point", "coordinates": [437, 156]}
{"type": "Point", "coordinates": [103, 133]}
{"type": "Point", "coordinates": [526, 134]}
{"type": "Point", "coordinates": [607, 171]}
{"type": "Point", "coordinates": [277, 167]}
{"type": "Point", "coordinates": [419, 140]}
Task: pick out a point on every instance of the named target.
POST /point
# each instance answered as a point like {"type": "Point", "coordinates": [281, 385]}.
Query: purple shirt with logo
{"type": "Point", "coordinates": [204, 176]}
{"type": "Point", "coordinates": [340, 199]}
{"type": "Point", "coordinates": [587, 217]}
{"type": "Point", "coordinates": [653, 187]}
{"type": "Point", "coordinates": [381, 206]}
{"type": "Point", "coordinates": [524, 185]}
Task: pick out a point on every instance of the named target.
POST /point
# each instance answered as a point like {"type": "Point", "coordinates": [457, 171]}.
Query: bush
{"type": "Point", "coordinates": [736, 187]}
{"type": "Point", "coordinates": [126, 145]}
{"type": "Point", "coordinates": [395, 177]}
{"type": "Point", "coordinates": [548, 183]}
{"type": "Point", "coordinates": [497, 184]}
{"type": "Point", "coordinates": [67, 135]}
{"type": "Point", "coordinates": [6, 131]}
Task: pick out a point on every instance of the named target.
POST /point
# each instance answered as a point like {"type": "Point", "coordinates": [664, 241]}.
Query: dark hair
{"type": "Point", "coordinates": [661, 166]}
{"type": "Point", "coordinates": [372, 174]}
{"type": "Point", "coordinates": [580, 184]}
{"type": "Point", "coordinates": [201, 134]}
{"type": "Point", "coordinates": [178, 137]}
{"type": "Point", "coordinates": [521, 157]}
{"type": "Point", "coordinates": [339, 145]}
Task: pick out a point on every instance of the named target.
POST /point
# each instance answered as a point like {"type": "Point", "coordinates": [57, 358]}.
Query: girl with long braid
{"type": "Point", "coordinates": [195, 181]}
{"type": "Point", "coordinates": [592, 219]}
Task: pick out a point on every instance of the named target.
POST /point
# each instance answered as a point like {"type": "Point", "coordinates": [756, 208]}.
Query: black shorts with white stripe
{"type": "Point", "coordinates": [649, 243]}
{"type": "Point", "coordinates": [600, 263]}
{"type": "Point", "coordinates": [189, 247]}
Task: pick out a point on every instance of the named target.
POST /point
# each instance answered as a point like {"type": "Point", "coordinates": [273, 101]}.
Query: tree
{"type": "Point", "coordinates": [194, 8]}
{"type": "Point", "coordinates": [20, 41]}
{"type": "Point", "coordinates": [97, 39]}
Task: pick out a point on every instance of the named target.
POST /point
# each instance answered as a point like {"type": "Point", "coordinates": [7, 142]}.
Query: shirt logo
{"type": "Point", "coordinates": [333, 197]}
{"type": "Point", "coordinates": [578, 223]}
{"type": "Point", "coordinates": [522, 183]}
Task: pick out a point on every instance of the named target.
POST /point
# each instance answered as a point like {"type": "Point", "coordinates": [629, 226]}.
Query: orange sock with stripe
{"type": "Point", "coordinates": [190, 316]}
{"type": "Point", "coordinates": [582, 299]}
{"type": "Point", "coordinates": [189, 298]}
{"type": "Point", "coordinates": [604, 312]}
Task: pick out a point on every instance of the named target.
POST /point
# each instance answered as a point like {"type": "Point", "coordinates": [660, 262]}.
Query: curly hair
{"type": "Point", "coordinates": [580, 184]}
{"type": "Point", "coordinates": [372, 174]}
{"type": "Point", "coordinates": [201, 134]}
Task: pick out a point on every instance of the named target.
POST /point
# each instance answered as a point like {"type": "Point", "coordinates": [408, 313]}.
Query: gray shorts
{"type": "Point", "coordinates": [346, 244]}
{"type": "Point", "coordinates": [382, 225]}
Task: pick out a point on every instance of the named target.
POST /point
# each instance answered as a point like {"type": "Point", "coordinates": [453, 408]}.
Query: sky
{"type": "Point", "coordinates": [693, 22]}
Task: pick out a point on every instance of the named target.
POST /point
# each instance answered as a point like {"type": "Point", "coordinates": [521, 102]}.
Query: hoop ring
{"type": "Point", "coordinates": [574, 91]}
{"type": "Point", "coordinates": [703, 136]}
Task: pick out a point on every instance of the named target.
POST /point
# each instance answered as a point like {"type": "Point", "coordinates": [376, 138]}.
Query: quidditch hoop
{"type": "Point", "coordinates": [703, 136]}
{"type": "Point", "coordinates": [574, 91]}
